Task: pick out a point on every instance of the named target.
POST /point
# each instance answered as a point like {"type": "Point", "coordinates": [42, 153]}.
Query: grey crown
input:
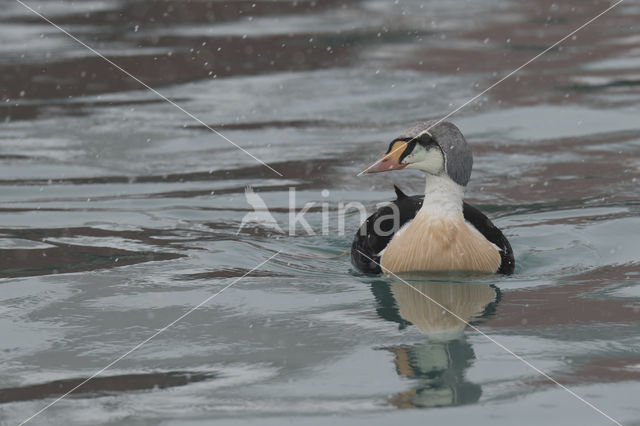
{"type": "Point", "coordinates": [457, 153]}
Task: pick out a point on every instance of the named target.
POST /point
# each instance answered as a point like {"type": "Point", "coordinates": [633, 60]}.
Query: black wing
{"type": "Point", "coordinates": [367, 243]}
{"type": "Point", "coordinates": [493, 234]}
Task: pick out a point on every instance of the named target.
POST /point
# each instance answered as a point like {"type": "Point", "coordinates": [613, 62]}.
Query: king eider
{"type": "Point", "coordinates": [437, 231]}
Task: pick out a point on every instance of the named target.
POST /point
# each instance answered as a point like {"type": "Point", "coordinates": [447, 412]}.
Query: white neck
{"type": "Point", "coordinates": [442, 196]}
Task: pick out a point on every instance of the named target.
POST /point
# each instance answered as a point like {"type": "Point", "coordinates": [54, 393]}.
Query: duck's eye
{"type": "Point", "coordinates": [426, 140]}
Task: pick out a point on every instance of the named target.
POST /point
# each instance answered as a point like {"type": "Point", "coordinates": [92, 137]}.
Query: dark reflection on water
{"type": "Point", "coordinates": [163, 12]}
{"type": "Point", "coordinates": [100, 386]}
{"type": "Point", "coordinates": [436, 368]}
{"type": "Point", "coordinates": [61, 257]}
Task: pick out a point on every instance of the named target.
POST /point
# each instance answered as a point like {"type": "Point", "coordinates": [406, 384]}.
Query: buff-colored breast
{"type": "Point", "coordinates": [436, 243]}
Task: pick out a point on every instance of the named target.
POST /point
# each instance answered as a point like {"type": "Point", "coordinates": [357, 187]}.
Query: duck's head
{"type": "Point", "coordinates": [435, 148]}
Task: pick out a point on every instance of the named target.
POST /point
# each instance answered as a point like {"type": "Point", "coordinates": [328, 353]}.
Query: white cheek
{"type": "Point", "coordinates": [431, 161]}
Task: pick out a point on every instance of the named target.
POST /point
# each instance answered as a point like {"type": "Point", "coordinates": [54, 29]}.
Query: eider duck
{"type": "Point", "coordinates": [437, 231]}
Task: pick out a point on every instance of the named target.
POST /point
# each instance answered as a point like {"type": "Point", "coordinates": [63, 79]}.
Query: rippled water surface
{"type": "Point", "coordinates": [118, 212]}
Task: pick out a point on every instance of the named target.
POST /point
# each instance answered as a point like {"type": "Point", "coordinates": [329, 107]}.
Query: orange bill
{"type": "Point", "coordinates": [390, 161]}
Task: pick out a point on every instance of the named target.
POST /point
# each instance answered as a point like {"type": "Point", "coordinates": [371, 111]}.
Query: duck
{"type": "Point", "coordinates": [437, 231]}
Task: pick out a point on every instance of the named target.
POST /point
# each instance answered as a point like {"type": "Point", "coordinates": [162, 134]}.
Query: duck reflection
{"type": "Point", "coordinates": [437, 367]}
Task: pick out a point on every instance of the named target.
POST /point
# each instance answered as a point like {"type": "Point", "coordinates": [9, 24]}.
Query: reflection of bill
{"type": "Point", "coordinates": [438, 371]}
{"type": "Point", "coordinates": [260, 213]}
{"type": "Point", "coordinates": [437, 368]}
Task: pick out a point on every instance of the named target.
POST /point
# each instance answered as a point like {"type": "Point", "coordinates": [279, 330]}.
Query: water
{"type": "Point", "coordinates": [119, 213]}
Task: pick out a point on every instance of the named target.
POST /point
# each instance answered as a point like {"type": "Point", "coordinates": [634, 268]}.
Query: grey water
{"type": "Point", "coordinates": [119, 213]}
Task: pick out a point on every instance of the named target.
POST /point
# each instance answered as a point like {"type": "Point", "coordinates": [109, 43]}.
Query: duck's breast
{"type": "Point", "coordinates": [437, 243]}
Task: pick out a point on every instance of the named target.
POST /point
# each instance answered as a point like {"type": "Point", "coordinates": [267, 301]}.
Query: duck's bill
{"type": "Point", "coordinates": [390, 161]}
